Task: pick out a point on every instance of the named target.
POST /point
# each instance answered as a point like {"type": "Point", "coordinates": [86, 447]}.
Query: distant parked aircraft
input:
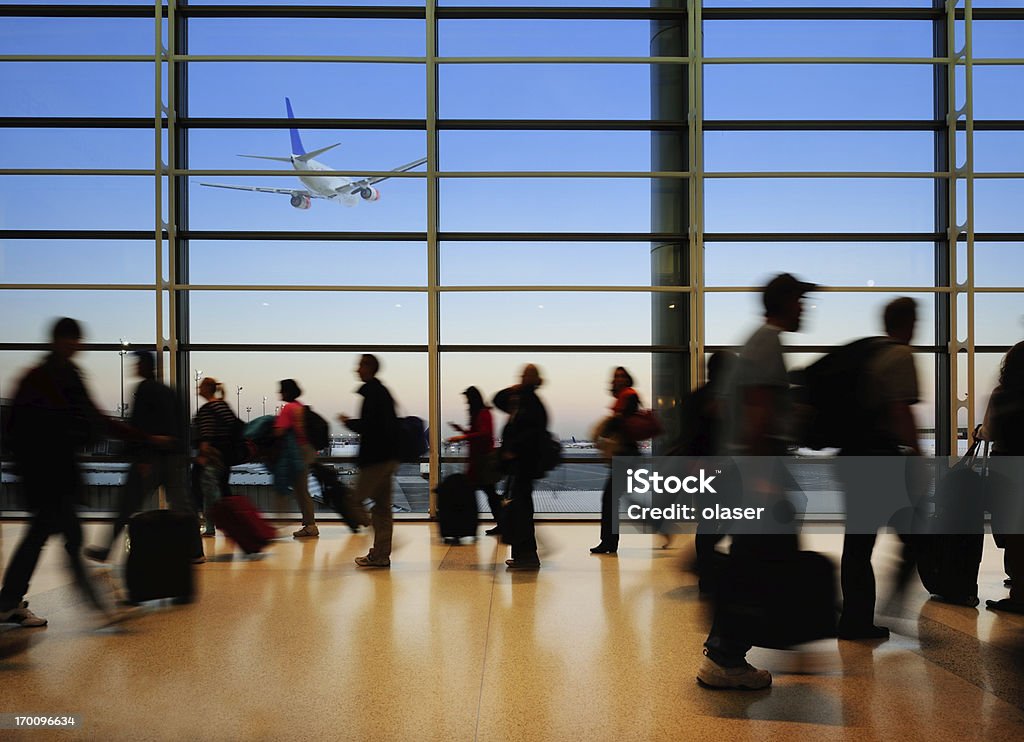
{"type": "Point", "coordinates": [573, 443]}
{"type": "Point", "coordinates": [336, 188]}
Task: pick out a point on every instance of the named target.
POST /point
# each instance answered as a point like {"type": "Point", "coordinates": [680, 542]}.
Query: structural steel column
{"type": "Point", "coordinates": [670, 213]}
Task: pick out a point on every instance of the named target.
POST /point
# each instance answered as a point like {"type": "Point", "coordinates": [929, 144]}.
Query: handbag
{"type": "Point", "coordinates": [642, 426]}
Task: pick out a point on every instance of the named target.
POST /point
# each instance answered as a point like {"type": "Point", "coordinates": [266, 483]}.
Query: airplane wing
{"type": "Point", "coordinates": [357, 185]}
{"type": "Point", "coordinates": [260, 189]}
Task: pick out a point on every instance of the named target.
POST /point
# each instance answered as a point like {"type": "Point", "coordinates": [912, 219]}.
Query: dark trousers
{"type": "Point", "coordinates": [518, 526]}
{"type": "Point", "coordinates": [858, 580]}
{"type": "Point", "coordinates": [493, 502]}
{"type": "Point", "coordinates": [609, 504]}
{"type": "Point", "coordinates": [51, 490]}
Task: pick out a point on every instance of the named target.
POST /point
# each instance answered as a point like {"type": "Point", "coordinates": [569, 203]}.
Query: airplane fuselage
{"type": "Point", "coordinates": [322, 185]}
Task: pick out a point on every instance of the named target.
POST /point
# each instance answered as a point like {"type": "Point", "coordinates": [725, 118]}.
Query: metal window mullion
{"type": "Point", "coordinates": [824, 60]}
{"type": "Point", "coordinates": [433, 258]}
{"type": "Point", "coordinates": [695, 165]}
{"type": "Point", "coordinates": [969, 216]}
{"type": "Point", "coordinates": [158, 173]}
{"type": "Point", "coordinates": [951, 319]}
{"type": "Point", "coordinates": [171, 342]}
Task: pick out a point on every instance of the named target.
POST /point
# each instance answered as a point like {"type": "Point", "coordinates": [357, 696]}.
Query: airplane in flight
{"type": "Point", "coordinates": [339, 189]}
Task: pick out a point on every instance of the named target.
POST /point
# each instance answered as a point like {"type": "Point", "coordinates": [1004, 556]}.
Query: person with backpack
{"type": "Point", "coordinates": [377, 426]}
{"type": "Point", "coordinates": [763, 424]}
{"type": "Point", "coordinates": [522, 453]}
{"type": "Point", "coordinates": [294, 455]}
{"type": "Point", "coordinates": [218, 443]}
{"type": "Point", "coordinates": [883, 387]}
{"type": "Point", "coordinates": [52, 417]}
{"type": "Point", "coordinates": [157, 411]}
{"type": "Point", "coordinates": [616, 427]}
{"type": "Point", "coordinates": [481, 470]}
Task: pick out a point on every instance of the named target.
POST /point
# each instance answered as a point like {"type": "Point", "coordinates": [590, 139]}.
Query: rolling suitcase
{"type": "Point", "coordinates": [338, 497]}
{"type": "Point", "coordinates": [457, 514]}
{"type": "Point", "coordinates": [242, 523]}
{"type": "Point", "coordinates": [777, 602]}
{"type": "Point", "coordinates": [948, 564]}
{"type": "Point", "coordinates": [949, 552]}
{"type": "Point", "coordinates": [161, 546]}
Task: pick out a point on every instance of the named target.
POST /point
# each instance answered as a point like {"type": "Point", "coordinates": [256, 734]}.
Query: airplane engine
{"type": "Point", "coordinates": [301, 200]}
{"type": "Point", "coordinates": [369, 193]}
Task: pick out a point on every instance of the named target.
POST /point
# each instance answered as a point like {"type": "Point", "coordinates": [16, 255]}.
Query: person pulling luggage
{"type": "Point", "coordinates": [157, 411]}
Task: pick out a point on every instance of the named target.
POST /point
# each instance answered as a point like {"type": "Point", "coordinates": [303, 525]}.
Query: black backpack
{"type": "Point", "coordinates": [412, 439]}
{"type": "Point", "coordinates": [317, 431]}
{"type": "Point", "coordinates": [238, 446]}
{"type": "Point", "coordinates": [549, 455]}
{"type": "Point", "coordinates": [836, 389]}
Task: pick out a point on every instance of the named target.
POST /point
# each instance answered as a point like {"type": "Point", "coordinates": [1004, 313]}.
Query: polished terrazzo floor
{"type": "Point", "coordinates": [448, 645]}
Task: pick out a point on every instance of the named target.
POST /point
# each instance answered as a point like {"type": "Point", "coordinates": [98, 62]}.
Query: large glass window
{"type": "Point", "coordinates": [234, 253]}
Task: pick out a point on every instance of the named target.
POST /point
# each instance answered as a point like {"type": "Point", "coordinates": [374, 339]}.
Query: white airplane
{"type": "Point", "coordinates": [339, 189]}
{"type": "Point", "coordinates": [573, 443]}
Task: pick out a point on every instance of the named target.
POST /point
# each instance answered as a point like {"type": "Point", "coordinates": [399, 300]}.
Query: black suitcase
{"type": "Point", "coordinates": [948, 564]}
{"type": "Point", "coordinates": [339, 497]}
{"type": "Point", "coordinates": [161, 546]}
{"type": "Point", "coordinates": [949, 550]}
{"type": "Point", "coordinates": [457, 514]}
{"type": "Point", "coordinates": [777, 602]}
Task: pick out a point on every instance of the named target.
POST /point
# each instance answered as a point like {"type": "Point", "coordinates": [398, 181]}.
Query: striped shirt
{"type": "Point", "coordinates": [215, 420]}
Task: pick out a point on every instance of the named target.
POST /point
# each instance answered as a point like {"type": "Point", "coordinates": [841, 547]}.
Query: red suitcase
{"type": "Point", "coordinates": [243, 523]}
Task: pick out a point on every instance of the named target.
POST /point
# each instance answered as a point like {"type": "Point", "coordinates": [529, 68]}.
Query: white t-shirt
{"type": "Point", "coordinates": [761, 364]}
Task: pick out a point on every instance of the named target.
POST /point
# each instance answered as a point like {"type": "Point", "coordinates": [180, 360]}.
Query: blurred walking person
{"type": "Point", "coordinates": [1005, 428]}
{"type": "Point", "coordinates": [294, 455]}
{"type": "Point", "coordinates": [615, 428]}
{"type": "Point", "coordinates": [216, 430]}
{"type": "Point", "coordinates": [377, 426]}
{"type": "Point", "coordinates": [886, 388]}
{"type": "Point", "coordinates": [156, 411]}
{"type": "Point", "coordinates": [52, 418]}
{"type": "Point", "coordinates": [522, 442]}
{"type": "Point", "coordinates": [764, 421]}
{"type": "Point", "coordinates": [702, 428]}
{"type": "Point", "coordinates": [481, 470]}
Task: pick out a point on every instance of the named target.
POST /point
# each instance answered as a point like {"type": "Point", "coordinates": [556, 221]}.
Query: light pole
{"type": "Point", "coordinates": [248, 413]}
{"type": "Point", "coordinates": [123, 352]}
{"type": "Point", "coordinates": [238, 399]}
{"type": "Point", "coordinates": [264, 405]}
{"type": "Point", "coordinates": [199, 375]}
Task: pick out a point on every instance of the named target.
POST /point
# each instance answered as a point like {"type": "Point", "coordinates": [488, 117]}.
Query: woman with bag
{"type": "Point", "coordinates": [616, 431]}
{"type": "Point", "coordinates": [294, 455]}
{"type": "Point", "coordinates": [482, 470]}
{"type": "Point", "coordinates": [215, 423]}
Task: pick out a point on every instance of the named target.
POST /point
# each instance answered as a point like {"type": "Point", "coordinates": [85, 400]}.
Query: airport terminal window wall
{"type": "Point", "coordinates": [605, 183]}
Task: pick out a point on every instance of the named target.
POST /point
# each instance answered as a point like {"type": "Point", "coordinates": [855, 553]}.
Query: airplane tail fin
{"type": "Point", "coordinates": [297, 148]}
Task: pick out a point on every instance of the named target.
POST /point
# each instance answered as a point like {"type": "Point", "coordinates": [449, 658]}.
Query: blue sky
{"type": "Point", "coordinates": [577, 383]}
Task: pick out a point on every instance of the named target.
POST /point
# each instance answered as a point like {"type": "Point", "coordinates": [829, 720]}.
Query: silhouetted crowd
{"type": "Point", "coordinates": [766, 591]}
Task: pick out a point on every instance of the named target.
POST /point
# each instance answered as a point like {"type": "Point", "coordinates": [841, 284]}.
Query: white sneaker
{"type": "Point", "coordinates": [22, 616]}
{"type": "Point", "coordinates": [712, 675]}
{"type": "Point", "coordinates": [307, 532]}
